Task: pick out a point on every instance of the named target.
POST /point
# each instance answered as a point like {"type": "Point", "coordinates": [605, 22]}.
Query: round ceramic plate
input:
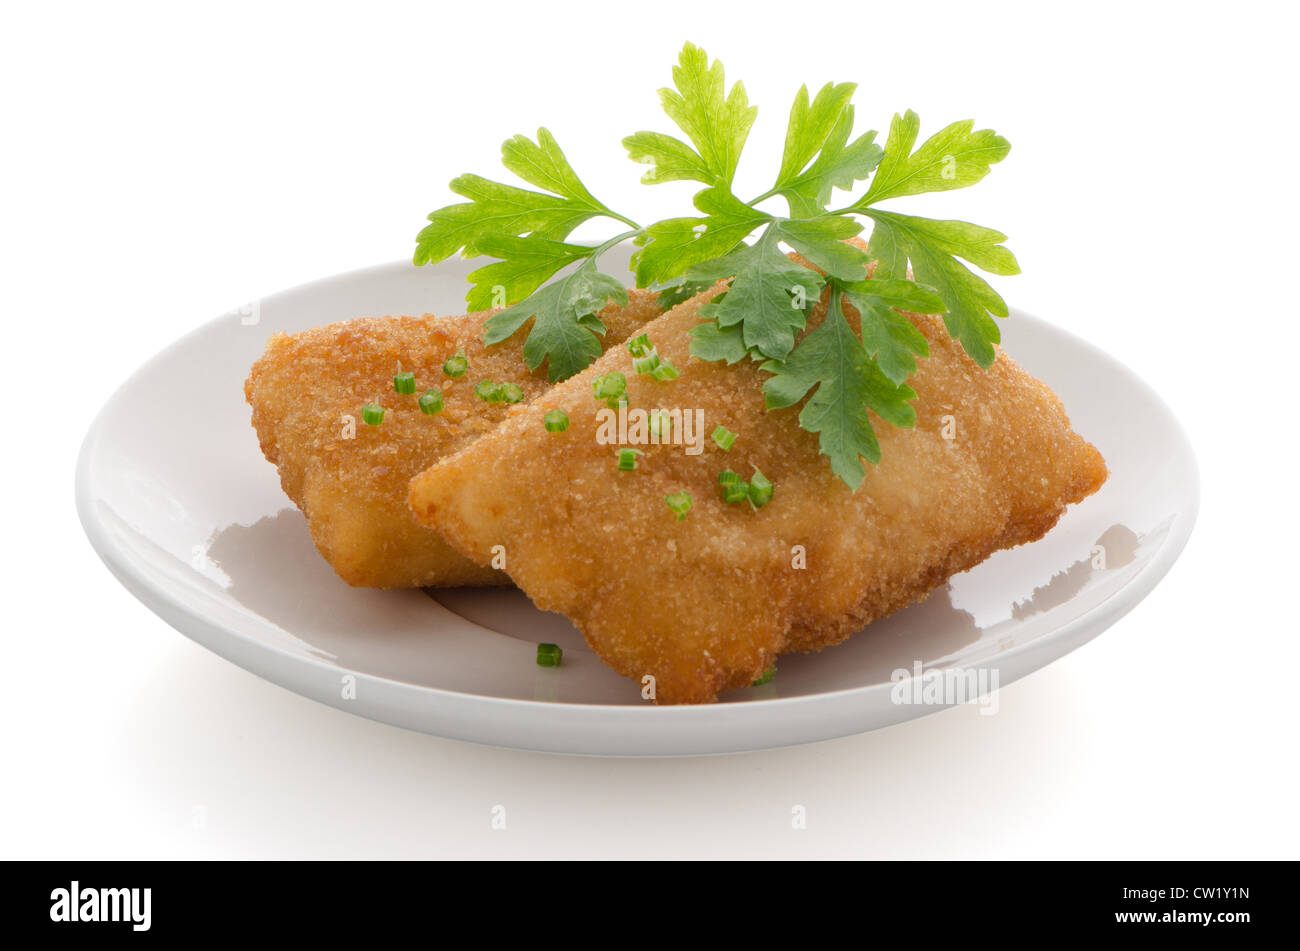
{"type": "Point", "coordinates": [178, 501]}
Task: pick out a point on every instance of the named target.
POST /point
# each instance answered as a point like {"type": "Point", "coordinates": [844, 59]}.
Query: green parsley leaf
{"type": "Point", "coordinates": [676, 244]}
{"type": "Point", "coordinates": [679, 291]}
{"type": "Point", "coordinates": [564, 323]}
{"type": "Point", "coordinates": [839, 165]}
{"type": "Point", "coordinates": [822, 241]}
{"type": "Point", "coordinates": [822, 129]}
{"type": "Point", "coordinates": [717, 122]}
{"type": "Point", "coordinates": [953, 157]}
{"type": "Point", "coordinates": [833, 359]}
{"type": "Point", "coordinates": [769, 296]}
{"type": "Point", "coordinates": [670, 160]}
{"type": "Point", "coordinates": [932, 247]}
{"type": "Point", "coordinates": [898, 293]}
{"type": "Point", "coordinates": [500, 209]}
{"type": "Point", "coordinates": [711, 342]}
{"type": "Point", "coordinates": [810, 126]}
{"type": "Point", "coordinates": [888, 336]}
{"type": "Point", "coordinates": [541, 163]}
{"type": "Point", "coordinates": [527, 264]}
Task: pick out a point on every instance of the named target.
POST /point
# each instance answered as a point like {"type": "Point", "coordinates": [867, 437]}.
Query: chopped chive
{"type": "Point", "coordinates": [430, 402]}
{"type": "Point", "coordinates": [490, 392]}
{"type": "Point", "coordinates": [557, 421]}
{"type": "Point", "coordinates": [404, 383]}
{"type": "Point", "coordinates": [612, 388]}
{"type": "Point", "coordinates": [661, 423]}
{"type": "Point", "coordinates": [647, 362]}
{"type": "Point", "coordinates": [638, 345]}
{"type": "Point", "coordinates": [727, 477]}
{"type": "Point", "coordinates": [680, 503]}
{"type": "Point", "coordinates": [372, 414]}
{"type": "Point", "coordinates": [665, 372]}
{"type": "Point", "coordinates": [549, 655]}
{"type": "Point", "coordinates": [646, 359]}
{"type": "Point", "coordinates": [760, 489]}
{"type": "Point", "coordinates": [733, 492]}
{"type": "Point", "coordinates": [724, 437]}
{"type": "Point", "coordinates": [765, 677]}
{"type": "Point", "coordinates": [457, 365]}
{"type": "Point", "coordinates": [627, 459]}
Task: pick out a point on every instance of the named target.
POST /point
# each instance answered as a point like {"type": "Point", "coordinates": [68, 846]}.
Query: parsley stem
{"type": "Point", "coordinates": [857, 208]}
{"type": "Point", "coordinates": [627, 221]}
{"type": "Point", "coordinates": [601, 249]}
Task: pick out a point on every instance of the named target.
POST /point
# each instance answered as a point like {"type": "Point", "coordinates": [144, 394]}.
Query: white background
{"type": "Point", "coordinates": [162, 165]}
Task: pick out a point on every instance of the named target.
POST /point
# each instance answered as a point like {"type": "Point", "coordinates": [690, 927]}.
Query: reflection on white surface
{"type": "Point", "coordinates": [277, 769]}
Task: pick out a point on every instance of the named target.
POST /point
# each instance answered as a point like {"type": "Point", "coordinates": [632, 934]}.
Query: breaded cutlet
{"type": "Point", "coordinates": [351, 479]}
{"type": "Point", "coordinates": [707, 603]}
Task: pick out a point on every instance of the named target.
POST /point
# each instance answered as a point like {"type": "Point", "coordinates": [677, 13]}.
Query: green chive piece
{"type": "Point", "coordinates": [404, 383]}
{"type": "Point", "coordinates": [661, 423]}
{"type": "Point", "coordinates": [680, 503]}
{"type": "Point", "coordinates": [510, 393]}
{"type": "Point", "coordinates": [638, 345]}
{"type": "Point", "coordinates": [456, 366]}
{"type": "Point", "coordinates": [646, 359]}
{"type": "Point", "coordinates": [487, 391]}
{"type": "Point", "coordinates": [430, 402]}
{"type": "Point", "coordinates": [557, 421]}
{"type": "Point", "coordinates": [766, 677]}
{"type": "Point", "coordinates": [549, 655]}
{"type": "Point", "coordinates": [612, 388]}
{"type": "Point", "coordinates": [727, 477]}
{"type": "Point", "coordinates": [646, 363]}
{"type": "Point", "coordinates": [372, 414]}
{"type": "Point", "coordinates": [627, 459]}
{"type": "Point", "coordinates": [733, 492]}
{"type": "Point", "coordinates": [760, 489]}
{"type": "Point", "coordinates": [665, 372]}
{"type": "Point", "coordinates": [724, 437]}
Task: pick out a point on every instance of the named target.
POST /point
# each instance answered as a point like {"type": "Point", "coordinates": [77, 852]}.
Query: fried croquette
{"type": "Point", "coordinates": [350, 478]}
{"type": "Point", "coordinates": [707, 603]}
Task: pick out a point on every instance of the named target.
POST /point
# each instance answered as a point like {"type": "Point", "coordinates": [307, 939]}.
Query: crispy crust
{"type": "Point", "coordinates": [353, 490]}
{"type": "Point", "coordinates": [707, 604]}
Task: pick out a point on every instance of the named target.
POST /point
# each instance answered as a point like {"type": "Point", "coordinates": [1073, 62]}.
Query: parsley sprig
{"type": "Point", "coordinates": [844, 374]}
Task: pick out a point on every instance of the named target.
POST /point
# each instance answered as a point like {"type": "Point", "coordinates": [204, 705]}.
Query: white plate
{"type": "Point", "coordinates": [178, 501]}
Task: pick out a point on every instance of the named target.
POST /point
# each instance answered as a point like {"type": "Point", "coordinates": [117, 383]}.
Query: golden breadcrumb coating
{"type": "Point", "coordinates": [707, 603]}
{"type": "Point", "coordinates": [351, 480]}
